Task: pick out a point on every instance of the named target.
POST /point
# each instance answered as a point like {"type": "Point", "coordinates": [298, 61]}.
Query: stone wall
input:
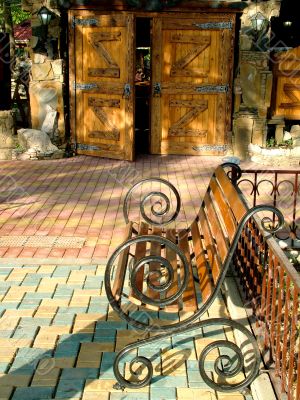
{"type": "Point", "coordinates": [47, 78]}
{"type": "Point", "coordinates": [6, 135]}
{"type": "Point", "coordinates": [253, 84]}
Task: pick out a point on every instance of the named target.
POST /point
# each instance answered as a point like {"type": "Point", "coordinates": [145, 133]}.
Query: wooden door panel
{"type": "Point", "coordinates": [193, 49]}
{"type": "Point", "coordinates": [192, 110]}
{"type": "Point", "coordinates": [186, 123]}
{"type": "Point", "coordinates": [286, 96]}
{"type": "Point", "coordinates": [104, 59]}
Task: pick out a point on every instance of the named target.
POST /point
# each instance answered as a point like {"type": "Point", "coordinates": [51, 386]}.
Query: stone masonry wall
{"type": "Point", "coordinates": [253, 84]}
{"type": "Point", "coordinates": [6, 135]}
{"type": "Point", "coordinates": [47, 79]}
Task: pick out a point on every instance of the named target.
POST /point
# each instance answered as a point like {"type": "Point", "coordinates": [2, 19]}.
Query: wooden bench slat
{"type": "Point", "coordinates": [140, 252]}
{"type": "Point", "coordinates": [201, 262]}
{"type": "Point", "coordinates": [210, 245]}
{"type": "Point", "coordinates": [120, 272]}
{"type": "Point", "coordinates": [215, 222]}
{"type": "Point", "coordinates": [230, 223]}
{"type": "Point", "coordinates": [155, 250]}
{"type": "Point", "coordinates": [234, 200]}
{"type": "Point", "coordinates": [189, 295]}
{"type": "Point", "coordinates": [171, 256]}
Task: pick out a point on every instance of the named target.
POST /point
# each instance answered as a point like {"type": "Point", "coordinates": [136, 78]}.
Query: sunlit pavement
{"type": "Point", "coordinates": [58, 337]}
{"type": "Point", "coordinates": [72, 208]}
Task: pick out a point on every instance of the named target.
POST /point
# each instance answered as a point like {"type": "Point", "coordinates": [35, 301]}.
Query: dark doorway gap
{"type": "Point", "coordinates": [142, 85]}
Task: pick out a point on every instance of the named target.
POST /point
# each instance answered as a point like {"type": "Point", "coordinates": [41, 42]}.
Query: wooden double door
{"type": "Point", "coordinates": [190, 87]}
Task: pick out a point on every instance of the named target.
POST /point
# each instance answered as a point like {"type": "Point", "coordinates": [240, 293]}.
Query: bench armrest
{"type": "Point", "coordinates": [160, 207]}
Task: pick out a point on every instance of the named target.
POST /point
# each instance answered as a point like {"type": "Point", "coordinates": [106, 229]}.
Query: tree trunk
{"type": "Point", "coordinates": [8, 27]}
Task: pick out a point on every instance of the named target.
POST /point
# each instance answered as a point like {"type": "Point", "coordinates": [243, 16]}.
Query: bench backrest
{"type": "Point", "coordinates": [205, 245]}
{"type": "Point", "coordinates": [214, 228]}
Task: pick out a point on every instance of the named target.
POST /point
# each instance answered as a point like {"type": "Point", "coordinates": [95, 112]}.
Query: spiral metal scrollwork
{"type": "Point", "coordinates": [235, 173]}
{"type": "Point", "coordinates": [229, 366]}
{"type": "Point", "coordinates": [267, 223]}
{"type": "Point", "coordinates": [225, 366]}
{"type": "Point", "coordinates": [160, 208]}
{"type": "Point", "coordinates": [165, 269]}
{"type": "Point", "coordinates": [142, 363]}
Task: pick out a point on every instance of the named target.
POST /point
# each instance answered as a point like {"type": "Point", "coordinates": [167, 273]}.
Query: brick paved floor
{"type": "Point", "coordinates": [72, 208]}
{"type": "Point", "coordinates": [57, 336]}
{"type": "Point", "coordinates": [50, 201]}
{"type": "Point", "coordinates": [58, 340]}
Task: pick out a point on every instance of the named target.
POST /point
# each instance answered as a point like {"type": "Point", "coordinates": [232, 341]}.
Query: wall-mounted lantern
{"type": "Point", "coordinates": [45, 15]}
{"type": "Point", "coordinates": [259, 22]}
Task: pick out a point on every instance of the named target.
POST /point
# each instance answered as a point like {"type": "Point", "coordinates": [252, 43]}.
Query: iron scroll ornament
{"type": "Point", "coordinates": [155, 213]}
{"type": "Point", "coordinates": [115, 303]}
{"type": "Point", "coordinates": [225, 366]}
{"type": "Point", "coordinates": [140, 264]}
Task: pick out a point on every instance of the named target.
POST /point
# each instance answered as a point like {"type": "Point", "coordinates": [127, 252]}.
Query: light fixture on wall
{"type": "Point", "coordinates": [287, 24]}
{"type": "Point", "coordinates": [45, 15]}
{"type": "Point", "coordinates": [259, 22]}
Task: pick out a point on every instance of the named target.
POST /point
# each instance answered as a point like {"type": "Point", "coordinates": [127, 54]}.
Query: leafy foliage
{"type": "Point", "coordinates": [18, 15]}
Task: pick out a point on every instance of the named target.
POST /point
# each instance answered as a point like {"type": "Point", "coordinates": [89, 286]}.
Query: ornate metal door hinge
{"type": "Point", "coordinates": [84, 86]}
{"type": "Point", "coordinates": [214, 25]}
{"type": "Point", "coordinates": [157, 90]}
{"type": "Point", "coordinates": [88, 147]}
{"type": "Point", "coordinates": [212, 89]}
{"type": "Point", "coordinates": [84, 22]}
{"type": "Point", "coordinates": [127, 91]}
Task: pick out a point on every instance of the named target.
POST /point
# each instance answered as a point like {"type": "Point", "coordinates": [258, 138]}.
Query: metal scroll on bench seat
{"type": "Point", "coordinates": [155, 286]}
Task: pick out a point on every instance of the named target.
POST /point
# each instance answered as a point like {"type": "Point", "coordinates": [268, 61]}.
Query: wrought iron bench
{"type": "Point", "coordinates": [180, 271]}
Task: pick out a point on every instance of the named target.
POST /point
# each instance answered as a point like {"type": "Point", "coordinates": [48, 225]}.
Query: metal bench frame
{"type": "Point", "coordinates": [225, 366]}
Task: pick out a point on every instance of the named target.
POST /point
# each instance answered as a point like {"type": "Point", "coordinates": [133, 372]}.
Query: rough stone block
{"type": "Point", "coordinates": [6, 135]}
{"type": "Point", "coordinates": [37, 140]}
{"type": "Point", "coordinates": [41, 72]}
{"type": "Point", "coordinates": [57, 68]}
{"type": "Point", "coordinates": [43, 94]}
{"type": "Point", "coordinates": [242, 136]}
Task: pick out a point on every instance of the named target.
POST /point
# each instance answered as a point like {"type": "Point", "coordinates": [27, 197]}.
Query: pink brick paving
{"type": "Point", "coordinates": [82, 197]}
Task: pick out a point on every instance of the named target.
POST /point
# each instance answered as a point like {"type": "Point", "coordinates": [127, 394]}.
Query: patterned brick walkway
{"type": "Point", "coordinates": [58, 337]}
{"type": "Point", "coordinates": [58, 340]}
{"type": "Point", "coordinates": [71, 208]}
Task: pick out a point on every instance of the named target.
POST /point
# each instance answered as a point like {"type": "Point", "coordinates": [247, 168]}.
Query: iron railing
{"type": "Point", "coordinates": [270, 283]}
{"type": "Point", "coordinates": [281, 188]}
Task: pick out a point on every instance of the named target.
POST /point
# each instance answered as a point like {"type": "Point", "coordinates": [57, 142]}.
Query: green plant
{"type": "Point", "coordinates": [19, 15]}
{"type": "Point", "coordinates": [18, 147]}
{"type": "Point", "coordinates": [271, 142]}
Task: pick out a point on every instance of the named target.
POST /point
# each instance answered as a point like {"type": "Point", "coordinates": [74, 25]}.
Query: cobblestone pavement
{"type": "Point", "coordinates": [58, 340]}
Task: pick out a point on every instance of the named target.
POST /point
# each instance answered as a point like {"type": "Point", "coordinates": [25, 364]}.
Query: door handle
{"type": "Point", "coordinates": [157, 90]}
{"type": "Point", "coordinates": [127, 90]}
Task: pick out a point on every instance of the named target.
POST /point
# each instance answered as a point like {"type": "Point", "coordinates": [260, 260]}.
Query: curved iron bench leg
{"type": "Point", "coordinates": [225, 366]}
